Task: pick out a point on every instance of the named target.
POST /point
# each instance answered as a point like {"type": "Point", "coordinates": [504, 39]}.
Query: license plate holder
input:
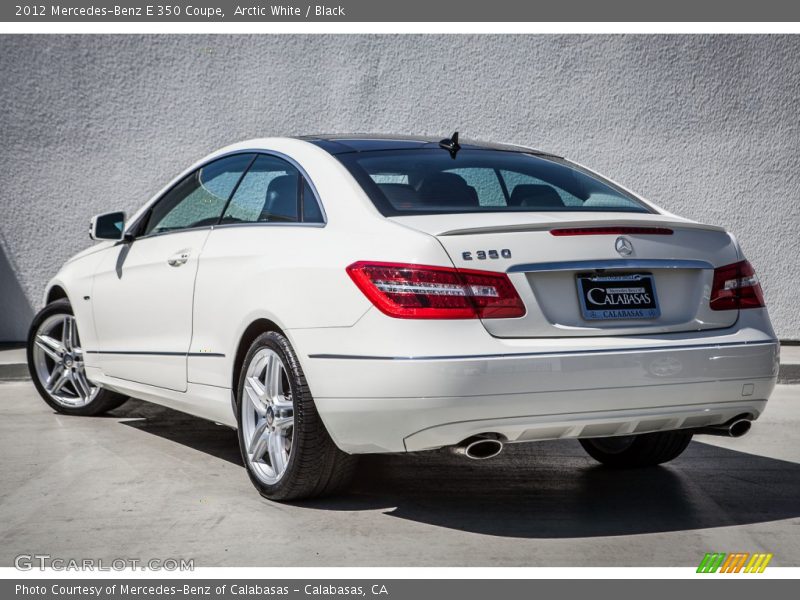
{"type": "Point", "coordinates": [617, 296]}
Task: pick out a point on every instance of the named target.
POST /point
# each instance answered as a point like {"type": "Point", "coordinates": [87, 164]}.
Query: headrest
{"type": "Point", "coordinates": [399, 193]}
{"type": "Point", "coordinates": [281, 200]}
{"type": "Point", "coordinates": [535, 196]}
{"type": "Point", "coordinates": [448, 189]}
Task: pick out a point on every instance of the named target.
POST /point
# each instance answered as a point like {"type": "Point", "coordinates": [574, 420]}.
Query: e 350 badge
{"type": "Point", "coordinates": [484, 254]}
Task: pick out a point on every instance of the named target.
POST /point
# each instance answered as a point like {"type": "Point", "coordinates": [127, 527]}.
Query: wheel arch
{"type": "Point", "coordinates": [250, 333]}
{"type": "Point", "coordinates": [55, 292]}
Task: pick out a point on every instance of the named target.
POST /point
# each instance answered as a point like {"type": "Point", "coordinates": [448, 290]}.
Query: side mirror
{"type": "Point", "coordinates": [108, 226]}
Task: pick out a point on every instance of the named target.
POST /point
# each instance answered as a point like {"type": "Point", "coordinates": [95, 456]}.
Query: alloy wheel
{"type": "Point", "coordinates": [58, 360]}
{"type": "Point", "coordinates": [267, 416]}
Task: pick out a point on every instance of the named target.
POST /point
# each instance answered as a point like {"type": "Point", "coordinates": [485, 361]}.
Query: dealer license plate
{"type": "Point", "coordinates": [618, 296]}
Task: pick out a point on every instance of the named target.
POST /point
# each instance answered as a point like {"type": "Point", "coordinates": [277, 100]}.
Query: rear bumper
{"type": "Point", "coordinates": [408, 403]}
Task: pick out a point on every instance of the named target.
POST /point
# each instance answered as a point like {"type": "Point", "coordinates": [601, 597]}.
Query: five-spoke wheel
{"type": "Point", "coordinates": [56, 364]}
{"type": "Point", "coordinates": [285, 446]}
{"type": "Point", "coordinates": [58, 360]}
{"type": "Point", "coordinates": [268, 415]}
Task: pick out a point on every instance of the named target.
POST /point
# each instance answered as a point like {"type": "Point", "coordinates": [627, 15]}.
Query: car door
{"type": "Point", "coordinates": [143, 289]}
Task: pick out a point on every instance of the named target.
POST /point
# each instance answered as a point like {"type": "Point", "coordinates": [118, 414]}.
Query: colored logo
{"type": "Point", "coordinates": [738, 562]}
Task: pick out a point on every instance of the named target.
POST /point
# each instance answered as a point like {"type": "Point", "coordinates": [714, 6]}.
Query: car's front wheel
{"type": "Point", "coordinates": [643, 450]}
{"type": "Point", "coordinates": [285, 446]}
{"type": "Point", "coordinates": [55, 362]}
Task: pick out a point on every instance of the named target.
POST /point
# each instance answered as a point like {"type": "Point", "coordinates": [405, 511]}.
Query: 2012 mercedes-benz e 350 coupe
{"type": "Point", "coordinates": [332, 296]}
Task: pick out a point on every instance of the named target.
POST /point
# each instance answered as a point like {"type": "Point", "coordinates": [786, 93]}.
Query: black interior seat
{"type": "Point", "coordinates": [448, 189]}
{"type": "Point", "coordinates": [535, 195]}
{"type": "Point", "coordinates": [401, 195]}
{"type": "Point", "coordinates": [281, 199]}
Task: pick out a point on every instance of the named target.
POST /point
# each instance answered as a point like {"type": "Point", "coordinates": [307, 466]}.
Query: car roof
{"type": "Point", "coordinates": [343, 143]}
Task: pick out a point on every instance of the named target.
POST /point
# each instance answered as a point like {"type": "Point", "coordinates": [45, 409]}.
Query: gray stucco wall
{"type": "Point", "coordinates": [705, 126]}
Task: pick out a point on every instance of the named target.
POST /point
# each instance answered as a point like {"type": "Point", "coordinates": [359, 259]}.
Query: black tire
{"type": "Point", "coordinates": [316, 467]}
{"type": "Point", "coordinates": [645, 450]}
{"type": "Point", "coordinates": [103, 401]}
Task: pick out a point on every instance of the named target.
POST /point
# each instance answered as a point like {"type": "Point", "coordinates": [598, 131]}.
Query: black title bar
{"type": "Point", "coordinates": [439, 11]}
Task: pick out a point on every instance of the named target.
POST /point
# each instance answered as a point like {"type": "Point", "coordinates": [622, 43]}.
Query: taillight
{"type": "Point", "coordinates": [426, 292]}
{"type": "Point", "coordinates": [736, 286]}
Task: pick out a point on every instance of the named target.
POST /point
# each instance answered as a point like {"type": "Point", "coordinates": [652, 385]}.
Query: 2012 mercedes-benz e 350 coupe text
{"type": "Point", "coordinates": [331, 296]}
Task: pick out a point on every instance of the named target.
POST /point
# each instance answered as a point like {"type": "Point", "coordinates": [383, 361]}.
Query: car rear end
{"type": "Point", "coordinates": [561, 306]}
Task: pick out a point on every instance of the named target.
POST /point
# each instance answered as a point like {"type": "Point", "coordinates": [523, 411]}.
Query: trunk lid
{"type": "Point", "coordinates": [545, 269]}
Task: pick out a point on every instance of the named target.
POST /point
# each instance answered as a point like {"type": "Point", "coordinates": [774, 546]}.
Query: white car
{"type": "Point", "coordinates": [332, 296]}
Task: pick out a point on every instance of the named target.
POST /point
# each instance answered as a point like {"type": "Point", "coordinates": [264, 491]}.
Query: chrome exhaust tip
{"type": "Point", "coordinates": [739, 428]}
{"type": "Point", "coordinates": [479, 447]}
{"type": "Point", "coordinates": [734, 429]}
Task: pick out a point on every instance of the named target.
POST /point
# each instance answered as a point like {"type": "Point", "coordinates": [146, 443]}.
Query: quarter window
{"type": "Point", "coordinates": [311, 210]}
{"type": "Point", "coordinates": [199, 199]}
{"type": "Point", "coordinates": [270, 193]}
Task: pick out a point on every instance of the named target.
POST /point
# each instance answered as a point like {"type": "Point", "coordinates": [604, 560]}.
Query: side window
{"type": "Point", "coordinates": [268, 193]}
{"type": "Point", "coordinates": [199, 199]}
{"type": "Point", "coordinates": [312, 213]}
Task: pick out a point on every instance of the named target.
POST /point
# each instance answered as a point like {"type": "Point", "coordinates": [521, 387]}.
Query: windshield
{"type": "Point", "coordinates": [429, 181]}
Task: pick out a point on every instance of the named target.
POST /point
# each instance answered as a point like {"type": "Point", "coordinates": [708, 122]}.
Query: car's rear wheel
{"type": "Point", "coordinates": [643, 450]}
{"type": "Point", "coordinates": [285, 446]}
{"type": "Point", "coordinates": [55, 362]}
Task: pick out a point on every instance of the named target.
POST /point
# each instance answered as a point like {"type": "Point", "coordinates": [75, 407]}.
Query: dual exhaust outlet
{"type": "Point", "coordinates": [489, 445]}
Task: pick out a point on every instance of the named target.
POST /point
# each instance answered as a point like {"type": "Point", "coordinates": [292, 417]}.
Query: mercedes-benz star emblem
{"type": "Point", "coordinates": [623, 246]}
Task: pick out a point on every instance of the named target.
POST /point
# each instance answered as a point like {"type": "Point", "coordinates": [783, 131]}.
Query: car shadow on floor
{"type": "Point", "coordinates": [196, 433]}
{"type": "Point", "coordinates": [539, 490]}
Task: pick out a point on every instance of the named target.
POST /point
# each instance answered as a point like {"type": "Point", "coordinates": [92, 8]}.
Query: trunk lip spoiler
{"type": "Point", "coordinates": [623, 263]}
{"type": "Point", "coordinates": [519, 228]}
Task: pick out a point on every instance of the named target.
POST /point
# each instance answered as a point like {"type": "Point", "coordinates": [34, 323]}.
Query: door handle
{"type": "Point", "coordinates": [178, 259]}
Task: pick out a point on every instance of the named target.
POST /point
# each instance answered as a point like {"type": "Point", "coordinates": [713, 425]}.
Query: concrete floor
{"type": "Point", "coordinates": [13, 364]}
{"type": "Point", "coordinates": [790, 354]}
{"type": "Point", "coordinates": [12, 356]}
{"type": "Point", "coordinates": [147, 482]}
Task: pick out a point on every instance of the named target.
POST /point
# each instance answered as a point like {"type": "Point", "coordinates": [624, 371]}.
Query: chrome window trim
{"type": "Point", "coordinates": [226, 225]}
{"type": "Point", "coordinates": [163, 233]}
{"type": "Point", "coordinates": [625, 263]}
{"type": "Point", "coordinates": [222, 226]}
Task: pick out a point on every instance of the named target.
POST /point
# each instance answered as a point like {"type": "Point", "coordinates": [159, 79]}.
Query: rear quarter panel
{"type": "Point", "coordinates": [294, 275]}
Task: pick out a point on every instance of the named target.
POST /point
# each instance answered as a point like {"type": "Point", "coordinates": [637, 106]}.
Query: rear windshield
{"type": "Point", "coordinates": [429, 181]}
